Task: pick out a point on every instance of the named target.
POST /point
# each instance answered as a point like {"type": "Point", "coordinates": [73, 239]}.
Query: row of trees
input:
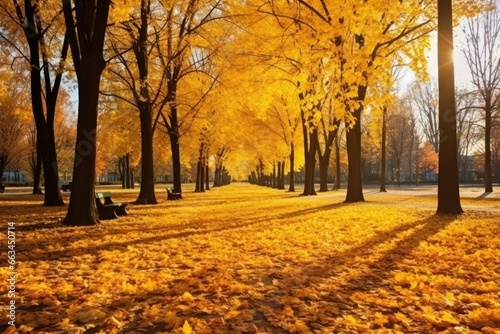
{"type": "Point", "coordinates": [216, 77]}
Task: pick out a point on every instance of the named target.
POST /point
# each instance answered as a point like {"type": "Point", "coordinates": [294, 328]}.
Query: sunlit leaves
{"type": "Point", "coordinates": [250, 259]}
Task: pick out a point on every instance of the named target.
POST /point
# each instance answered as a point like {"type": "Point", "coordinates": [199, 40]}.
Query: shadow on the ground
{"type": "Point", "coordinates": [180, 230]}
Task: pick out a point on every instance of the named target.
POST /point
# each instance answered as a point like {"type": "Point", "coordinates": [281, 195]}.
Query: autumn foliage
{"type": "Point", "coordinates": [247, 259]}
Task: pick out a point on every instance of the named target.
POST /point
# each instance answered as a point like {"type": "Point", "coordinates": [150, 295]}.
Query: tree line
{"type": "Point", "coordinates": [233, 84]}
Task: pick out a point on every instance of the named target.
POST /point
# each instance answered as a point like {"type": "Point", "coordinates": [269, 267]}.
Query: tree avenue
{"type": "Point", "coordinates": [254, 89]}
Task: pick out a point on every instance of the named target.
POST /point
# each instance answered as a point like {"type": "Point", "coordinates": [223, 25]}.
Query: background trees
{"type": "Point", "coordinates": [12, 121]}
{"type": "Point", "coordinates": [241, 87]}
{"type": "Point", "coordinates": [482, 52]}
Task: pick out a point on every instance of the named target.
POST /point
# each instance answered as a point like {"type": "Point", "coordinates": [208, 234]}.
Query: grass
{"type": "Point", "coordinates": [247, 259]}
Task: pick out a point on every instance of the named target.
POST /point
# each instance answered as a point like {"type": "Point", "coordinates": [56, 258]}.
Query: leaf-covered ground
{"type": "Point", "coordinates": [246, 259]}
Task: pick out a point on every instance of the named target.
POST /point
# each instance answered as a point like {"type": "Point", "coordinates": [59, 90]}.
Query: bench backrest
{"type": "Point", "coordinates": [103, 194]}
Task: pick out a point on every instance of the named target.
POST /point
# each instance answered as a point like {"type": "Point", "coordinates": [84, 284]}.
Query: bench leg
{"type": "Point", "coordinates": [107, 213]}
{"type": "Point", "coordinates": [120, 211]}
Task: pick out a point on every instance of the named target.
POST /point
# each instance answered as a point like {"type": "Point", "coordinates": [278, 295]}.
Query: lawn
{"type": "Point", "coordinates": [247, 259]}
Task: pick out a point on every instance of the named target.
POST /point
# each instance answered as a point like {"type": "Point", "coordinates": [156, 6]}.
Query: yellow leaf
{"type": "Point", "coordinates": [448, 317]}
{"type": "Point", "coordinates": [402, 317]}
{"type": "Point", "coordinates": [380, 319]}
{"type": "Point", "coordinates": [350, 319]}
{"type": "Point", "coordinates": [187, 297]}
{"type": "Point", "coordinates": [171, 319]}
{"type": "Point", "coordinates": [186, 329]}
{"type": "Point", "coordinates": [299, 326]}
{"type": "Point", "coordinates": [288, 312]}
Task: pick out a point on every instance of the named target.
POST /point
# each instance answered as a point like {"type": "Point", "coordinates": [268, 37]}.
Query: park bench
{"type": "Point", "coordinates": [67, 186]}
{"type": "Point", "coordinates": [109, 209]}
{"type": "Point", "coordinates": [172, 195]}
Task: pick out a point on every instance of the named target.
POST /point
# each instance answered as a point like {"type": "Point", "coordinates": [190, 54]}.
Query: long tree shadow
{"type": "Point", "coordinates": [177, 231]}
{"type": "Point", "coordinates": [426, 228]}
{"type": "Point", "coordinates": [314, 274]}
{"type": "Point", "coordinates": [371, 275]}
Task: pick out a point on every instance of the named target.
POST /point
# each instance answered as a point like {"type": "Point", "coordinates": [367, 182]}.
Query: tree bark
{"type": "Point", "coordinates": [488, 177]}
{"type": "Point", "coordinates": [291, 186]}
{"type": "Point", "coordinates": [383, 150]}
{"type": "Point", "coordinates": [448, 187]}
{"type": "Point", "coordinates": [175, 149]}
{"type": "Point", "coordinates": [281, 184]}
{"type": "Point", "coordinates": [37, 171]}
{"type": "Point", "coordinates": [207, 177]}
{"type": "Point", "coordinates": [311, 165]}
{"type": "Point", "coordinates": [147, 190]}
{"type": "Point", "coordinates": [354, 186]}
{"type": "Point", "coordinates": [202, 175]}
{"type": "Point", "coordinates": [337, 161]}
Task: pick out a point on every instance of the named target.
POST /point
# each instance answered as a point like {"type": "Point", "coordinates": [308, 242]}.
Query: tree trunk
{"type": "Point", "coordinates": [207, 177]}
{"type": "Point", "coordinates": [337, 161]}
{"type": "Point", "coordinates": [121, 170]}
{"type": "Point", "coordinates": [91, 19]}
{"type": "Point", "coordinates": [311, 164]}
{"type": "Point", "coordinates": [323, 174]}
{"type": "Point", "coordinates": [175, 149]}
{"type": "Point", "coordinates": [281, 184]}
{"type": "Point", "coordinates": [448, 188]}
{"type": "Point", "coordinates": [488, 179]}
{"type": "Point", "coordinates": [198, 177]}
{"type": "Point", "coordinates": [384, 151]}
{"type": "Point", "coordinates": [354, 186]}
{"type": "Point", "coordinates": [202, 175]}
{"type": "Point", "coordinates": [37, 171]}
{"type": "Point", "coordinates": [147, 191]}
{"type": "Point", "coordinates": [82, 209]}
{"type": "Point", "coordinates": [216, 177]}
{"type": "Point", "coordinates": [50, 171]}
{"type": "Point", "coordinates": [291, 187]}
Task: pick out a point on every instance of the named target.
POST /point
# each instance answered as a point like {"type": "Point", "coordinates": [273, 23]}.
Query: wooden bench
{"type": "Point", "coordinates": [171, 195]}
{"type": "Point", "coordinates": [67, 186]}
{"type": "Point", "coordinates": [109, 209]}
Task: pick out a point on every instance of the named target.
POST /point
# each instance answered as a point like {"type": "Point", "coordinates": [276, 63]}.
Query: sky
{"type": "Point", "coordinates": [462, 73]}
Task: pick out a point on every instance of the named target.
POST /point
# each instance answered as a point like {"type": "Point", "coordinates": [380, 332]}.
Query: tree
{"type": "Point", "coordinates": [482, 52]}
{"type": "Point", "coordinates": [133, 73]}
{"type": "Point", "coordinates": [495, 150]}
{"type": "Point", "coordinates": [448, 190]}
{"type": "Point", "coordinates": [401, 134]}
{"type": "Point", "coordinates": [86, 29]}
{"type": "Point", "coordinates": [428, 158]}
{"type": "Point", "coordinates": [186, 53]}
{"type": "Point", "coordinates": [11, 124]}
{"type": "Point", "coordinates": [44, 85]}
{"type": "Point", "coordinates": [468, 127]}
{"type": "Point", "coordinates": [425, 98]}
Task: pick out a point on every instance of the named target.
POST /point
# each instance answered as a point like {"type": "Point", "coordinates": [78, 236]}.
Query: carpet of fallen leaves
{"type": "Point", "coordinates": [247, 259]}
